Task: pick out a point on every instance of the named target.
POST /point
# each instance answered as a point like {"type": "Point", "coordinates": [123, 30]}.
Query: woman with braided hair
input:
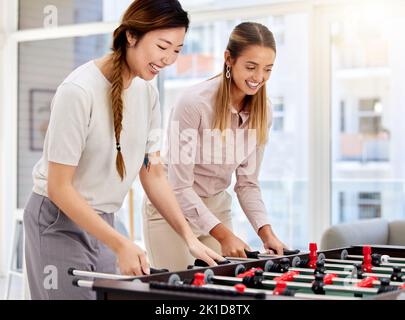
{"type": "Point", "coordinates": [104, 123]}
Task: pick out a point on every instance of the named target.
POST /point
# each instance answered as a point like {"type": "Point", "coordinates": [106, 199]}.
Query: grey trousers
{"type": "Point", "coordinates": [53, 244]}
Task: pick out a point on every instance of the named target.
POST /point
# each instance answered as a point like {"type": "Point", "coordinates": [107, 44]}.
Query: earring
{"type": "Point", "coordinates": [228, 72]}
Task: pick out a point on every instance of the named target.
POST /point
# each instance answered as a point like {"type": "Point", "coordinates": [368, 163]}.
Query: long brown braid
{"type": "Point", "coordinates": [118, 106]}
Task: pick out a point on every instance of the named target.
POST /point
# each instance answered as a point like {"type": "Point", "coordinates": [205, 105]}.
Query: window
{"type": "Point", "coordinates": [354, 205]}
{"type": "Point", "coordinates": [196, 59]}
{"type": "Point", "coordinates": [369, 205]}
{"type": "Point", "coordinates": [342, 117]}
{"type": "Point", "coordinates": [370, 111]}
{"type": "Point", "coordinates": [278, 114]}
{"type": "Point", "coordinates": [367, 152]}
{"type": "Point", "coordinates": [342, 206]}
{"type": "Point", "coordinates": [278, 29]}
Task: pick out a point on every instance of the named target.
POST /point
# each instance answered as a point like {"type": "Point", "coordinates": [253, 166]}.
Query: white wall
{"type": "Point", "coordinates": [2, 40]}
{"type": "Point", "coordinates": [6, 142]}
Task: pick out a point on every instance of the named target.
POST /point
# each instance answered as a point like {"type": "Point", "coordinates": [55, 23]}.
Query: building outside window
{"type": "Point", "coordinates": [278, 114]}
{"type": "Point", "coordinates": [369, 204]}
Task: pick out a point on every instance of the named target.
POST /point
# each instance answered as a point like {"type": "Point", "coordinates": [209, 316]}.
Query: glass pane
{"type": "Point", "coordinates": [42, 67]}
{"type": "Point", "coordinates": [367, 134]}
{"type": "Point", "coordinates": [284, 174]}
{"type": "Point", "coordinates": [44, 13]}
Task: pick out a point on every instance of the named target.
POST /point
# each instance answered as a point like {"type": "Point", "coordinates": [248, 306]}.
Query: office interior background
{"type": "Point", "coordinates": [336, 152]}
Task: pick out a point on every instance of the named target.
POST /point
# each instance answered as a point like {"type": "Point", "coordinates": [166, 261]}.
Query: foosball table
{"type": "Point", "coordinates": [350, 273]}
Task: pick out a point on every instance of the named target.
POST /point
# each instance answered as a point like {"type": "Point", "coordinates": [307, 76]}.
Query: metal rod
{"type": "Point", "coordinates": [240, 259]}
{"type": "Point", "coordinates": [99, 275]}
{"type": "Point", "coordinates": [335, 279]}
{"type": "Point", "coordinates": [343, 273]}
{"type": "Point", "coordinates": [84, 284]}
{"type": "Point", "coordinates": [299, 285]}
{"type": "Point", "coordinates": [353, 256]}
{"type": "Point", "coordinates": [350, 266]}
{"type": "Point", "coordinates": [383, 264]}
{"type": "Point", "coordinates": [296, 295]}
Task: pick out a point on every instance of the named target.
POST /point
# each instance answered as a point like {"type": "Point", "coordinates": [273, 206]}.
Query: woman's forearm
{"type": "Point", "coordinates": [161, 195]}
{"type": "Point", "coordinates": [79, 211]}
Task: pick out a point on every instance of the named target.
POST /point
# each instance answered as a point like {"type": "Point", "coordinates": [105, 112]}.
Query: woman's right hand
{"type": "Point", "coordinates": [132, 259]}
{"type": "Point", "coordinates": [232, 246]}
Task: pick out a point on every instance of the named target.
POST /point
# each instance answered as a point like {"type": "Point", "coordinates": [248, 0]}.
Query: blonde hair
{"type": "Point", "coordinates": [141, 17]}
{"type": "Point", "coordinates": [244, 35]}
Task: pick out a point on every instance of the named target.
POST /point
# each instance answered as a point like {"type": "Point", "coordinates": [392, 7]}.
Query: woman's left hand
{"type": "Point", "coordinates": [271, 243]}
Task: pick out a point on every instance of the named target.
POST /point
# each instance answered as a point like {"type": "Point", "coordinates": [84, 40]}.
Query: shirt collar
{"type": "Point", "coordinates": [244, 114]}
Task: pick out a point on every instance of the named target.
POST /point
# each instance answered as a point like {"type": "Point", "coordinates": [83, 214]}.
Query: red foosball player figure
{"type": "Point", "coordinates": [240, 288]}
{"type": "Point", "coordinates": [367, 282]}
{"type": "Point", "coordinates": [367, 265]}
{"type": "Point", "coordinates": [280, 288]}
{"type": "Point", "coordinates": [312, 255]}
{"type": "Point", "coordinates": [328, 279]}
{"type": "Point", "coordinates": [288, 276]}
{"type": "Point", "coordinates": [199, 279]}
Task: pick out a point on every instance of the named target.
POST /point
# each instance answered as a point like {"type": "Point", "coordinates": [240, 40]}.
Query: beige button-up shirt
{"type": "Point", "coordinates": [198, 165]}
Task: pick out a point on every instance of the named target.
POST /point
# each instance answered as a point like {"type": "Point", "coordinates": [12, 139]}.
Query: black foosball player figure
{"type": "Point", "coordinates": [396, 274]}
{"type": "Point", "coordinates": [320, 267]}
{"type": "Point", "coordinates": [358, 271]}
{"type": "Point", "coordinates": [376, 259]}
{"type": "Point", "coordinates": [255, 281]}
{"type": "Point", "coordinates": [385, 286]}
{"type": "Point", "coordinates": [202, 263]}
{"type": "Point", "coordinates": [318, 284]}
{"type": "Point", "coordinates": [282, 266]}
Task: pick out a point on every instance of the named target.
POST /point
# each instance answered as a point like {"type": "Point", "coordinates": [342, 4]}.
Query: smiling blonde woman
{"type": "Point", "coordinates": [234, 103]}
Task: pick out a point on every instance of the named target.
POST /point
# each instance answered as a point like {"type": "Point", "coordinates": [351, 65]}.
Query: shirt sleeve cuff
{"type": "Point", "coordinates": [203, 221]}
{"type": "Point", "coordinates": [260, 223]}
